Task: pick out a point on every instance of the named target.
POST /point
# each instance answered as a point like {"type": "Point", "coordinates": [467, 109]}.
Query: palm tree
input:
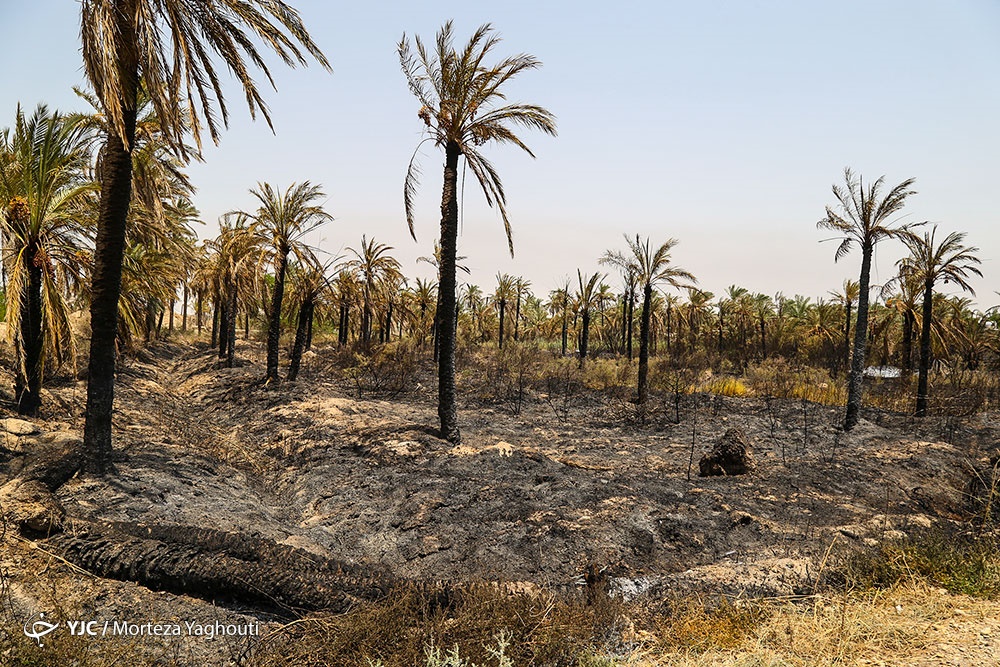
{"type": "Point", "coordinates": [949, 261]}
{"type": "Point", "coordinates": [586, 300]}
{"type": "Point", "coordinates": [374, 266]}
{"type": "Point", "coordinates": [848, 297]}
{"type": "Point", "coordinates": [501, 297]}
{"type": "Point", "coordinates": [650, 269]}
{"type": "Point", "coordinates": [235, 276]}
{"type": "Point", "coordinates": [522, 290]}
{"type": "Point", "coordinates": [309, 283]}
{"type": "Point", "coordinates": [864, 218]}
{"type": "Point", "coordinates": [463, 106]}
{"type": "Point", "coordinates": [763, 308]}
{"type": "Point", "coordinates": [559, 302]}
{"type": "Point", "coordinates": [170, 44]}
{"type": "Point", "coordinates": [46, 195]}
{"type": "Point", "coordinates": [281, 221]}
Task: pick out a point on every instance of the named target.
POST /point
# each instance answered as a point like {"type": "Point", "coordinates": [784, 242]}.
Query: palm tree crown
{"type": "Point", "coordinates": [464, 105]}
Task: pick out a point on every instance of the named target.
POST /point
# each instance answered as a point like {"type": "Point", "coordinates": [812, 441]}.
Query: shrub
{"type": "Point", "coordinates": [388, 370]}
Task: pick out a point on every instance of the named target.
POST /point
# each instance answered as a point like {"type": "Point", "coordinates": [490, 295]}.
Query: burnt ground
{"type": "Point", "coordinates": [530, 497]}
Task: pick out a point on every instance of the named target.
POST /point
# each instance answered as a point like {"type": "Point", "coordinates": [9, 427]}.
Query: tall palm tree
{"type": "Point", "coordinates": [46, 197]}
{"type": "Point", "coordinates": [864, 218]}
{"type": "Point", "coordinates": [586, 300]}
{"type": "Point", "coordinates": [171, 45]}
{"type": "Point", "coordinates": [281, 221]}
{"type": "Point", "coordinates": [949, 261]}
{"type": "Point", "coordinates": [651, 268]}
{"type": "Point", "coordinates": [463, 106]}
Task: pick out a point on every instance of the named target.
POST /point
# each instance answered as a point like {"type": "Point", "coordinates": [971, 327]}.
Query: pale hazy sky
{"type": "Point", "coordinates": [722, 124]}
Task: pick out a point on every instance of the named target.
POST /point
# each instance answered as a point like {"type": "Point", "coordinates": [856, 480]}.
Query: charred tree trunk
{"type": "Point", "coordinates": [503, 310]}
{"type": "Point", "coordinates": [217, 565]}
{"type": "Point", "coordinates": [109, 248]}
{"type": "Point", "coordinates": [517, 317]}
{"type": "Point", "coordinates": [170, 325]}
{"type": "Point", "coordinates": [184, 309]}
{"type": "Point", "coordinates": [906, 363]}
{"type": "Point", "coordinates": [629, 319]}
{"type": "Point", "coordinates": [925, 349]}
{"type": "Point", "coordinates": [199, 304]}
{"type": "Point", "coordinates": [647, 302]}
{"type": "Point", "coordinates": [447, 408]}
{"type": "Point", "coordinates": [584, 336]}
{"type": "Point", "coordinates": [301, 333]}
{"type": "Point", "coordinates": [28, 394]}
{"type": "Point", "coordinates": [231, 330]}
{"type": "Point", "coordinates": [274, 322]}
{"type": "Point", "coordinates": [215, 321]}
{"type": "Point", "coordinates": [224, 318]}
{"type": "Point", "coordinates": [847, 336]}
{"type": "Point", "coordinates": [565, 329]}
{"type": "Point", "coordinates": [309, 329]}
{"type": "Point", "coordinates": [855, 381]}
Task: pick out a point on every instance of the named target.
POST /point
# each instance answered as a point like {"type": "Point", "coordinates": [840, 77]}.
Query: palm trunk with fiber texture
{"type": "Point", "coordinates": [647, 301]}
{"type": "Point", "coordinates": [274, 323]}
{"type": "Point", "coordinates": [29, 387]}
{"type": "Point", "coordinates": [109, 248]}
{"type": "Point", "coordinates": [447, 410]}
{"type": "Point", "coordinates": [925, 349]}
{"type": "Point", "coordinates": [857, 375]}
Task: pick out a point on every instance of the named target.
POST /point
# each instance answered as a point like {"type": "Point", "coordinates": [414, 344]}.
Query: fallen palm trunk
{"type": "Point", "coordinates": [255, 570]}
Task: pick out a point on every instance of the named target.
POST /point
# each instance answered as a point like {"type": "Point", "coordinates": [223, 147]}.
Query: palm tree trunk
{"type": "Point", "coordinates": [857, 375]}
{"type": "Point", "coordinates": [215, 322]}
{"type": "Point", "coordinates": [906, 363]}
{"type": "Point", "coordinates": [925, 349]}
{"type": "Point", "coordinates": [199, 304]}
{"type": "Point", "coordinates": [301, 334]}
{"type": "Point", "coordinates": [309, 329]}
{"type": "Point", "coordinates": [628, 319]}
{"type": "Point", "coordinates": [666, 338]}
{"type": "Point", "coordinates": [29, 394]}
{"type": "Point", "coordinates": [647, 300]}
{"type": "Point", "coordinates": [847, 335]}
{"type": "Point", "coordinates": [388, 323]}
{"type": "Point", "coordinates": [109, 248]}
{"type": "Point", "coordinates": [517, 316]}
{"type": "Point", "coordinates": [224, 317]}
{"type": "Point", "coordinates": [584, 336]}
{"type": "Point", "coordinates": [565, 329]}
{"type": "Point", "coordinates": [503, 309]}
{"type": "Point", "coordinates": [170, 326]}
{"type": "Point", "coordinates": [763, 338]}
{"type": "Point", "coordinates": [624, 320]}
{"type": "Point", "coordinates": [231, 329]}
{"type": "Point", "coordinates": [342, 324]}
{"type": "Point", "coordinates": [274, 324]}
{"type": "Point", "coordinates": [447, 409]}
{"type": "Point", "coordinates": [184, 309]}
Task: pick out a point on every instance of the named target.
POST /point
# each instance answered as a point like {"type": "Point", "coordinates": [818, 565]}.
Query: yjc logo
{"type": "Point", "coordinates": [36, 629]}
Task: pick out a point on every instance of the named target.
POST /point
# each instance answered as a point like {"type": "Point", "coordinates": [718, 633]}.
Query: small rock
{"type": "Point", "coordinates": [19, 426]}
